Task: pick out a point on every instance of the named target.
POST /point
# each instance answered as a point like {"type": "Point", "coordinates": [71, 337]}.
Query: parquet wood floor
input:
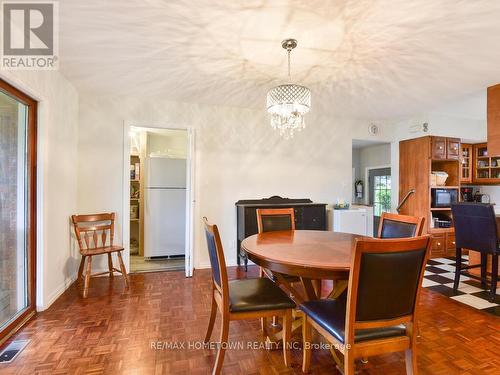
{"type": "Point", "coordinates": [111, 333]}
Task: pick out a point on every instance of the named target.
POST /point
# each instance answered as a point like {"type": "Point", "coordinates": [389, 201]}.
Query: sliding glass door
{"type": "Point", "coordinates": [17, 208]}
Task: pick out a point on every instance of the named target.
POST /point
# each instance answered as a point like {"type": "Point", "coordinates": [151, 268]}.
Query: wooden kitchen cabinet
{"type": "Point", "coordinates": [452, 148]}
{"type": "Point", "coordinates": [466, 163]}
{"type": "Point", "coordinates": [445, 148]}
{"type": "Point", "coordinates": [438, 147]}
{"type": "Point", "coordinates": [438, 245]}
{"type": "Point", "coordinates": [418, 158]}
{"type": "Point", "coordinates": [486, 167]}
{"type": "Point", "coordinates": [443, 244]}
{"type": "Point", "coordinates": [493, 119]}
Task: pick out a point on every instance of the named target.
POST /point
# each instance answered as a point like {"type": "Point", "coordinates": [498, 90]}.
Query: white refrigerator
{"type": "Point", "coordinates": [165, 207]}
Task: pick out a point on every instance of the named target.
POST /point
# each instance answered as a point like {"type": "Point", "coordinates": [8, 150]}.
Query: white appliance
{"type": "Point", "coordinates": [165, 207]}
{"type": "Point", "coordinates": [355, 220]}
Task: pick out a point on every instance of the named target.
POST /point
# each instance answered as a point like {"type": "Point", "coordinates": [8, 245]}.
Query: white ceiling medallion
{"type": "Point", "coordinates": [288, 103]}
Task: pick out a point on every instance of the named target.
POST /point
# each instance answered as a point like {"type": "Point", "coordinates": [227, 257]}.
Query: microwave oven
{"type": "Point", "coordinates": [443, 198]}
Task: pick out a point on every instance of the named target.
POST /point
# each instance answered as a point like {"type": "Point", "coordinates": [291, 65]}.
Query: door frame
{"type": "Point", "coordinates": [369, 194]}
{"type": "Point", "coordinates": [367, 180]}
{"type": "Point", "coordinates": [31, 164]}
{"type": "Point", "coordinates": [190, 189]}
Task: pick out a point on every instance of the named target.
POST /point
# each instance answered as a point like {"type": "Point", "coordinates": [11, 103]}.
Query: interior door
{"type": "Point", "coordinates": [380, 194]}
{"type": "Point", "coordinates": [17, 208]}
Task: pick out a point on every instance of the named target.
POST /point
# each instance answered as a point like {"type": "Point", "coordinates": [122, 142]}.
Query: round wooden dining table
{"type": "Point", "coordinates": [308, 254]}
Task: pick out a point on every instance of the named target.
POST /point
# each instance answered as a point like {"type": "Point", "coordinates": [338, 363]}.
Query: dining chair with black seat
{"type": "Point", "coordinates": [400, 226]}
{"type": "Point", "coordinates": [271, 220]}
{"type": "Point", "coordinates": [242, 299]}
{"type": "Point", "coordinates": [476, 229]}
{"type": "Point", "coordinates": [390, 226]}
{"type": "Point", "coordinates": [378, 314]}
{"type": "Point", "coordinates": [95, 234]}
{"type": "Point", "coordinates": [276, 219]}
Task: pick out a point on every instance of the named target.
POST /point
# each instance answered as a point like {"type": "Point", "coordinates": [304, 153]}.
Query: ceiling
{"type": "Point", "coordinates": [364, 58]}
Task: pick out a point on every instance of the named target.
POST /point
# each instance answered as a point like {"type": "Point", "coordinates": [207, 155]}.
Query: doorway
{"type": "Point", "coordinates": [159, 199]}
{"type": "Point", "coordinates": [379, 189]}
{"type": "Point", "coordinates": [18, 113]}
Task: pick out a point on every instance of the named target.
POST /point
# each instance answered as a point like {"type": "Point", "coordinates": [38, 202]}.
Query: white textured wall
{"type": "Point", "coordinates": [57, 177]}
{"type": "Point", "coordinates": [238, 156]}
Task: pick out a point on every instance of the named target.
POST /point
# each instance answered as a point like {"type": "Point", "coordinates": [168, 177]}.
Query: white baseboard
{"type": "Point", "coordinates": [62, 288]}
{"type": "Point", "coordinates": [56, 293]}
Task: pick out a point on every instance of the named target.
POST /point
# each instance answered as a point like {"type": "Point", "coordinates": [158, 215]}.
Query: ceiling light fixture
{"type": "Point", "coordinates": [288, 103]}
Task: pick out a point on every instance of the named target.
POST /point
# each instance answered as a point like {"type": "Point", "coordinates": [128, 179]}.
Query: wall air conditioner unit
{"type": "Point", "coordinates": [419, 128]}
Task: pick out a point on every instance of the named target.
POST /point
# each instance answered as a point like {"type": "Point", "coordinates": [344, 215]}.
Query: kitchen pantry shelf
{"type": "Point", "coordinates": [418, 158]}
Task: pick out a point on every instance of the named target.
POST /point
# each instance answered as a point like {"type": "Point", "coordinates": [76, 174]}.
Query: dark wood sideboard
{"type": "Point", "coordinates": [308, 216]}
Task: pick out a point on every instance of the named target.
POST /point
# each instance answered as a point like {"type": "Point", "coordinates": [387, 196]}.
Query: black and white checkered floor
{"type": "Point", "coordinates": [439, 276]}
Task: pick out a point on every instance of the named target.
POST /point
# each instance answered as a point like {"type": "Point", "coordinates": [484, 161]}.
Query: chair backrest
{"type": "Point", "coordinates": [275, 219]}
{"type": "Point", "coordinates": [92, 231]}
{"type": "Point", "coordinates": [217, 261]}
{"type": "Point", "coordinates": [400, 226]}
{"type": "Point", "coordinates": [475, 226]}
{"type": "Point", "coordinates": [385, 282]}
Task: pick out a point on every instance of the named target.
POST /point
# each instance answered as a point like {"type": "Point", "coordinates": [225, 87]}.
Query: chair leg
{"type": "Point", "coordinates": [458, 267]}
{"type": "Point", "coordinates": [110, 265]}
{"type": "Point", "coordinates": [88, 271]}
{"type": "Point", "coordinates": [123, 269]}
{"type": "Point", "coordinates": [411, 362]}
{"type": "Point", "coordinates": [349, 368]}
{"type": "Point", "coordinates": [263, 326]}
{"type": "Point", "coordinates": [494, 276]}
{"type": "Point", "coordinates": [306, 345]}
{"type": "Point", "coordinates": [213, 314]}
{"type": "Point", "coordinates": [484, 263]}
{"type": "Point", "coordinates": [80, 269]}
{"type": "Point", "coordinates": [224, 334]}
{"type": "Point", "coordinates": [411, 353]}
{"type": "Point", "coordinates": [287, 333]}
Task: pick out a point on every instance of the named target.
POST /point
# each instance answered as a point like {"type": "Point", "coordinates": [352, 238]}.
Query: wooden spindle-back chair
{"type": "Point", "coordinates": [95, 235]}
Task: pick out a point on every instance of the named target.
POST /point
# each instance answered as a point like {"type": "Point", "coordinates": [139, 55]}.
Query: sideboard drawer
{"type": "Point", "coordinates": [438, 246]}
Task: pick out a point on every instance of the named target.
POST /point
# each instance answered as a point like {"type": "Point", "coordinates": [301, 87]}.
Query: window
{"type": "Point", "coordinates": [382, 195]}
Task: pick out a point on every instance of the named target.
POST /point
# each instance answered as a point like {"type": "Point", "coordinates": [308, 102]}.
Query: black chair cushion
{"type": "Point", "coordinates": [330, 315]}
{"type": "Point", "coordinates": [257, 294]}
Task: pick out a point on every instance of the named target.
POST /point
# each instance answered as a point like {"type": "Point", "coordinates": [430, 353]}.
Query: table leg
{"type": "Point", "coordinates": [339, 287]}
{"type": "Point", "coordinates": [296, 295]}
{"type": "Point", "coordinates": [309, 289]}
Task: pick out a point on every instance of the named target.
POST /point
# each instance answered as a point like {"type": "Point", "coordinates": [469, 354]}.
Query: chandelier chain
{"type": "Point", "coordinates": [289, 75]}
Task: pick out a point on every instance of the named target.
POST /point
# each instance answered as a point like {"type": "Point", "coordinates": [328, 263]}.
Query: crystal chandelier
{"type": "Point", "coordinates": [288, 103]}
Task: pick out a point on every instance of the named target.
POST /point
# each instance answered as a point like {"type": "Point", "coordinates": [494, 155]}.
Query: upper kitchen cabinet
{"type": "Point", "coordinates": [445, 148]}
{"type": "Point", "coordinates": [486, 167]}
{"type": "Point", "coordinates": [466, 163]}
{"type": "Point", "coordinates": [493, 113]}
